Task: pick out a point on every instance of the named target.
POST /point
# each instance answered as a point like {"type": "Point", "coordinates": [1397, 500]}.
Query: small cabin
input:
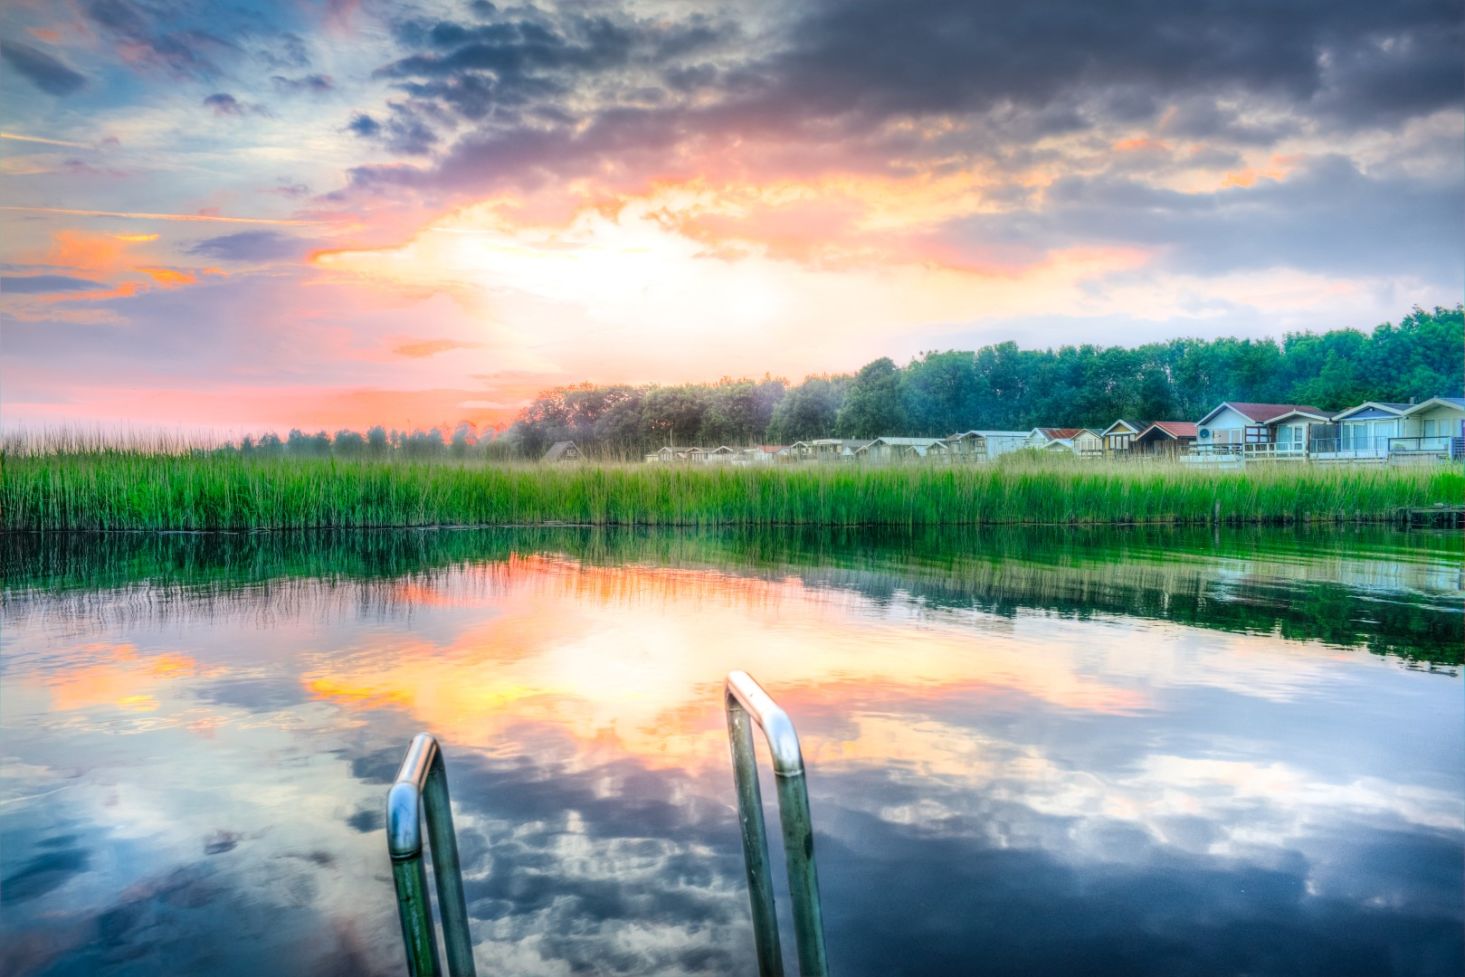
{"type": "Point", "coordinates": [563, 451]}
{"type": "Point", "coordinates": [671, 454]}
{"type": "Point", "coordinates": [1053, 438]}
{"type": "Point", "coordinates": [835, 449]}
{"type": "Point", "coordinates": [1088, 443]}
{"type": "Point", "coordinates": [721, 455]}
{"type": "Point", "coordinates": [984, 445]}
{"type": "Point", "coordinates": [1167, 438]}
{"type": "Point", "coordinates": [900, 449]}
{"type": "Point", "coordinates": [1119, 436]}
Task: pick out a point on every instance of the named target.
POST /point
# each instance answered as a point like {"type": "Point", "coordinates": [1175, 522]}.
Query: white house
{"type": "Point", "coordinates": [900, 449]}
{"type": "Point", "coordinates": [1437, 425]}
{"type": "Point", "coordinates": [834, 449]}
{"type": "Point", "coordinates": [1361, 432]}
{"type": "Point", "coordinates": [1088, 443]}
{"type": "Point", "coordinates": [985, 445]}
{"type": "Point", "coordinates": [1256, 430]}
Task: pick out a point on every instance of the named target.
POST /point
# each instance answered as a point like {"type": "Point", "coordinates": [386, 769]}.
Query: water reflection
{"type": "Point", "coordinates": [1114, 753]}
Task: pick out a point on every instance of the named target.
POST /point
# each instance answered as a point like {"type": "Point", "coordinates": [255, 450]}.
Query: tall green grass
{"type": "Point", "coordinates": [132, 489]}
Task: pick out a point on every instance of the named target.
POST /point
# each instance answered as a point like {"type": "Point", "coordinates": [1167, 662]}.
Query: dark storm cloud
{"type": "Point", "coordinates": [845, 69]}
{"type": "Point", "coordinates": [41, 284]}
{"type": "Point", "coordinates": [150, 35]}
{"type": "Point", "coordinates": [405, 130]}
{"type": "Point", "coordinates": [43, 873]}
{"type": "Point", "coordinates": [250, 246]}
{"type": "Point", "coordinates": [519, 69]}
{"type": "Point", "coordinates": [308, 84]}
{"type": "Point", "coordinates": [364, 125]}
{"type": "Point", "coordinates": [1327, 217]}
{"type": "Point", "coordinates": [222, 103]}
{"type": "Point", "coordinates": [49, 74]}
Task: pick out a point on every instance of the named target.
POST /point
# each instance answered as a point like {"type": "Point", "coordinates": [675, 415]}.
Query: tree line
{"type": "Point", "coordinates": [997, 387]}
{"type": "Point", "coordinates": [1003, 387]}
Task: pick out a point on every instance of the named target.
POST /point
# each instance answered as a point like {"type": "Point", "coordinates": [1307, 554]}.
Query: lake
{"type": "Point", "coordinates": [1119, 752]}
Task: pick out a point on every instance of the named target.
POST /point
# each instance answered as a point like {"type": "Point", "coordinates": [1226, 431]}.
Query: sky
{"type": "Point", "coordinates": [262, 215]}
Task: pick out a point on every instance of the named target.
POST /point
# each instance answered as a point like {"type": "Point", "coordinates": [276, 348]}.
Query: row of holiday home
{"type": "Point", "coordinates": [1233, 432]}
{"type": "Point", "coordinates": [967, 446]}
{"type": "Point", "coordinates": [1372, 431]}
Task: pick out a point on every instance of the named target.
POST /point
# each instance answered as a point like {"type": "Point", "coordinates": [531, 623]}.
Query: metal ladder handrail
{"type": "Point", "coordinates": [746, 704]}
{"type": "Point", "coordinates": [421, 793]}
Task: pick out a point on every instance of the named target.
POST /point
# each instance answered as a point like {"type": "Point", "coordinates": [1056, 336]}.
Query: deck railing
{"type": "Point", "coordinates": [747, 705]}
{"type": "Point", "coordinates": [1443, 444]}
{"type": "Point", "coordinates": [421, 793]}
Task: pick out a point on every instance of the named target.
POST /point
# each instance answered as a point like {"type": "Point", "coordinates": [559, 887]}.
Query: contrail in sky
{"type": "Point", "coordinates": [17, 137]}
{"type": "Point", "coordinates": [135, 215]}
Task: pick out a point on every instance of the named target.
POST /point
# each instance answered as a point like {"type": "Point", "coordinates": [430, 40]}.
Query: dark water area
{"type": "Point", "coordinates": [1030, 751]}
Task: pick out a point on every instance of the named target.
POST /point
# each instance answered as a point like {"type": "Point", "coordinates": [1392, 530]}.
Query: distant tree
{"type": "Point", "coordinates": [424, 444]}
{"type": "Point", "coordinates": [377, 444]}
{"type": "Point", "coordinates": [348, 444]}
{"type": "Point", "coordinates": [872, 407]}
{"type": "Point", "coordinates": [808, 411]}
{"type": "Point", "coordinates": [270, 445]}
{"type": "Point", "coordinates": [940, 393]}
{"type": "Point", "coordinates": [464, 437]}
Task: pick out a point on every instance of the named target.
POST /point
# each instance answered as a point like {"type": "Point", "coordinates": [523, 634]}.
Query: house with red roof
{"type": "Point", "coordinates": [1167, 438]}
{"type": "Point", "coordinates": [1053, 438]}
{"type": "Point", "coordinates": [1258, 430]}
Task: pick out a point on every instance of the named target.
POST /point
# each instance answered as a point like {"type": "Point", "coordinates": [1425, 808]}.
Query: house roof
{"type": "Point", "coordinates": [1456, 402]}
{"type": "Point", "coordinates": [1134, 426]}
{"type": "Point", "coordinates": [558, 450]}
{"type": "Point", "coordinates": [773, 449]}
{"type": "Point", "coordinates": [905, 441]}
{"type": "Point", "coordinates": [1376, 408]}
{"type": "Point", "coordinates": [988, 434]}
{"type": "Point", "coordinates": [1261, 413]}
{"type": "Point", "coordinates": [842, 442]}
{"type": "Point", "coordinates": [1172, 429]}
{"type": "Point", "coordinates": [1059, 433]}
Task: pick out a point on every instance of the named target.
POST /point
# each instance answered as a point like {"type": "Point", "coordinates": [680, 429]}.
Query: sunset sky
{"type": "Point", "coordinates": [259, 215]}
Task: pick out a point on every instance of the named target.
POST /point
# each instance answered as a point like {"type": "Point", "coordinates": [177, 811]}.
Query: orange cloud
{"type": "Point", "coordinates": [430, 347]}
{"type": "Point", "coordinates": [168, 277]}
{"type": "Point", "coordinates": [122, 678]}
{"type": "Point", "coordinates": [1136, 144]}
{"type": "Point", "coordinates": [552, 652]}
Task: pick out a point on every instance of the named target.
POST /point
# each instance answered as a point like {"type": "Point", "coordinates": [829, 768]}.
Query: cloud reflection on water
{"type": "Point", "coordinates": [1031, 791]}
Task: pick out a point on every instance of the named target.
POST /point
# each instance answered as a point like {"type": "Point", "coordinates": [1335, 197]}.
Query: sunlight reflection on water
{"type": "Point", "coordinates": [1154, 755]}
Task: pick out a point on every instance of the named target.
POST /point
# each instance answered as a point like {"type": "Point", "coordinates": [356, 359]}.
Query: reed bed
{"type": "Point", "coordinates": [143, 490]}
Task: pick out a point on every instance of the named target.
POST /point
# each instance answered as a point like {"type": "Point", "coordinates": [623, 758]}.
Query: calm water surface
{"type": "Point", "coordinates": [1120, 753]}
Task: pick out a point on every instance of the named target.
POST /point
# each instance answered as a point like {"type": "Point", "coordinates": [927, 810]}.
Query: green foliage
{"type": "Point", "coordinates": [808, 411]}
{"type": "Point", "coordinates": [872, 404]}
{"type": "Point", "coordinates": [115, 490]}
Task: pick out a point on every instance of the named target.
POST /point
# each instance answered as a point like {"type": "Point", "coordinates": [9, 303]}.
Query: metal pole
{"type": "Point", "coordinates": [452, 907]}
{"type": "Point", "coordinates": [746, 700]}
{"type": "Point", "coordinates": [755, 840]}
{"type": "Point", "coordinates": [421, 791]}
